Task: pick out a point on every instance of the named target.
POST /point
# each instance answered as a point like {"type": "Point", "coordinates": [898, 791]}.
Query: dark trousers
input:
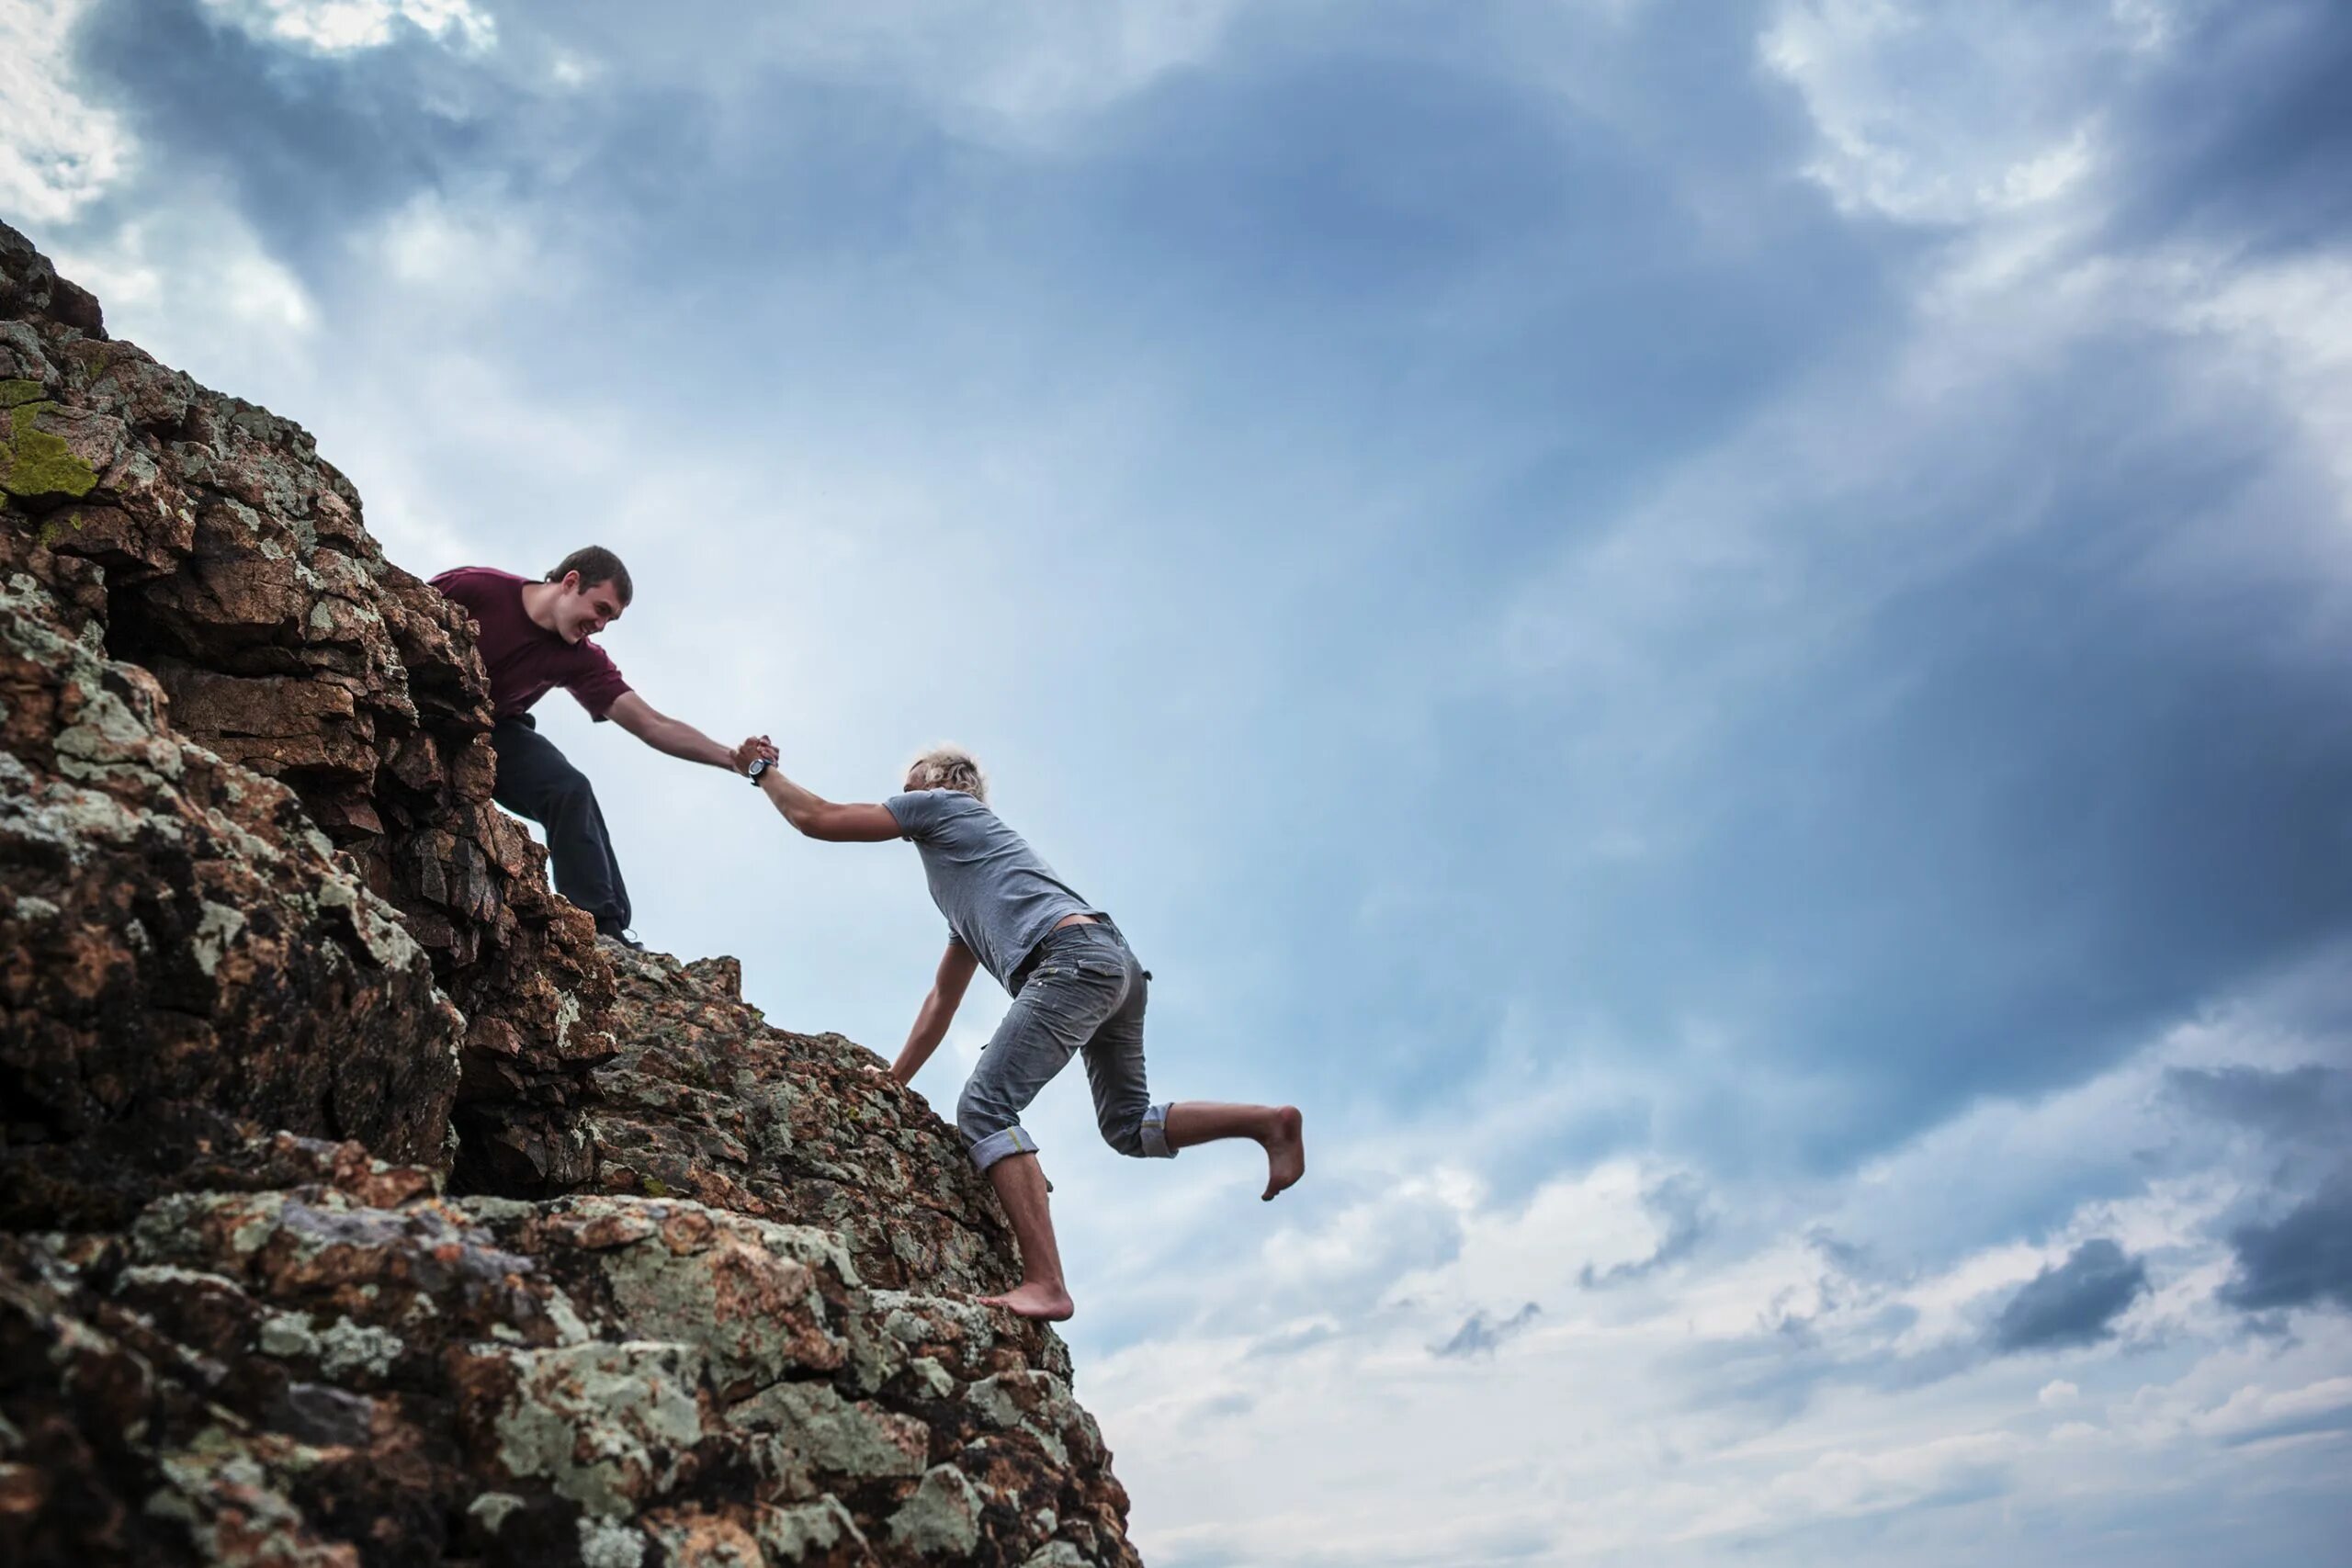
{"type": "Point", "coordinates": [536, 781]}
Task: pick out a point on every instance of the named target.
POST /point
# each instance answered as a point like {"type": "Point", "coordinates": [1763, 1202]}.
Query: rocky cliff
{"type": "Point", "coordinates": [356, 1206]}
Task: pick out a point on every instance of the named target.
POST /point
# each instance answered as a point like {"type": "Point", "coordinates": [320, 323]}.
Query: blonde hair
{"type": "Point", "coordinates": [949, 767]}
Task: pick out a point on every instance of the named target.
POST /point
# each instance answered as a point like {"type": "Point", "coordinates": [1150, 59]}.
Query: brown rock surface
{"type": "Point", "coordinates": [276, 980]}
{"type": "Point", "coordinates": [707, 1101]}
{"type": "Point", "coordinates": [203, 541]}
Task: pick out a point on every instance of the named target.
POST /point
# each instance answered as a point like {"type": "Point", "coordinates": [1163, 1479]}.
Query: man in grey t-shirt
{"type": "Point", "coordinates": [1076, 988]}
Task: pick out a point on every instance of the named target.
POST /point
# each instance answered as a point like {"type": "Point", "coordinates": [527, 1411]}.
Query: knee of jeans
{"type": "Point", "coordinates": [570, 784]}
{"type": "Point", "coordinates": [978, 1115]}
{"type": "Point", "coordinates": [1125, 1135]}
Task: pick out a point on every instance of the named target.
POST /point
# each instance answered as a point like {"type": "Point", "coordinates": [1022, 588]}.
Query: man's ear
{"type": "Point", "coordinates": [570, 583]}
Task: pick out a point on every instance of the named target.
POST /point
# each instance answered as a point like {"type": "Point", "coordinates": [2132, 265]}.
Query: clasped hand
{"type": "Point", "coordinates": [752, 750]}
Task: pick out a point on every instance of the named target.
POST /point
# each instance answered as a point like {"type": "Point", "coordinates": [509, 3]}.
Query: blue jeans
{"type": "Point", "coordinates": [536, 781]}
{"type": "Point", "coordinates": [1084, 991]}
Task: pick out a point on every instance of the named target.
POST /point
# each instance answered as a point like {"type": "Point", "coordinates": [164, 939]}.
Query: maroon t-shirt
{"type": "Point", "coordinates": [524, 660]}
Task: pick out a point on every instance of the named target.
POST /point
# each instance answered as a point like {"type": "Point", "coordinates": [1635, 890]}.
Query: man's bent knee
{"type": "Point", "coordinates": [1142, 1139]}
{"type": "Point", "coordinates": [570, 785]}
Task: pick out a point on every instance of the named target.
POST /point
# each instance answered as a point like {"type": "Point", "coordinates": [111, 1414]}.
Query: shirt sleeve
{"type": "Point", "coordinates": [599, 684]}
{"type": "Point", "coordinates": [917, 812]}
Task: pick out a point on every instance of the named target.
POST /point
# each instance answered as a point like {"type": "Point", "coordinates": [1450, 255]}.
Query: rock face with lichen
{"type": "Point", "coordinates": [707, 1101]}
{"type": "Point", "coordinates": [356, 1207]}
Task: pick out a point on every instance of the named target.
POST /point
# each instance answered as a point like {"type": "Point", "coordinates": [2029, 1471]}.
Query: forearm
{"type": "Point", "coordinates": [678, 738]}
{"type": "Point", "coordinates": [929, 1028]}
{"type": "Point", "coordinates": [799, 805]}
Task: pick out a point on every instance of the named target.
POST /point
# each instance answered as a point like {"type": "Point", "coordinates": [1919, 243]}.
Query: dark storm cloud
{"type": "Point", "coordinates": [2310, 1103]}
{"type": "Point", "coordinates": [306, 145]}
{"type": "Point", "coordinates": [2037, 803]}
{"type": "Point", "coordinates": [2303, 1260]}
{"type": "Point", "coordinates": [2074, 1304]}
{"type": "Point", "coordinates": [2020, 815]}
{"type": "Point", "coordinates": [2246, 134]}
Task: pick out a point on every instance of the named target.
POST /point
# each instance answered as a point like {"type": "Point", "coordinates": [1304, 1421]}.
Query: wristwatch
{"type": "Point", "coordinates": [759, 765]}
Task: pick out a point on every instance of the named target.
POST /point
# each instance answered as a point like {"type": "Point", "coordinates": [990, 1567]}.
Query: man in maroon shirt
{"type": "Point", "coordinates": [534, 637]}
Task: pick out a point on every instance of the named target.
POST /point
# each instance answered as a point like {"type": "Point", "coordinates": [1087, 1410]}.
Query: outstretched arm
{"type": "Point", "coordinates": [674, 737]}
{"type": "Point", "coordinates": [821, 819]}
{"type": "Point", "coordinates": [938, 1011]}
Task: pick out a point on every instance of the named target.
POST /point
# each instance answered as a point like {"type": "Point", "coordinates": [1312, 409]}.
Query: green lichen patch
{"type": "Point", "coordinates": [607, 1424]}
{"type": "Point", "coordinates": [943, 1518]}
{"type": "Point", "coordinates": [15, 390]}
{"type": "Point", "coordinates": [746, 1292]}
{"type": "Point", "coordinates": [34, 462]}
{"type": "Point", "coordinates": [55, 527]}
{"type": "Point", "coordinates": [835, 1435]}
{"type": "Point", "coordinates": [790, 1535]}
{"type": "Point", "coordinates": [604, 1544]}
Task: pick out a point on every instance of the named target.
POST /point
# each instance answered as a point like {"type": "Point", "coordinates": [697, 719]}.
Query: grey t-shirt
{"type": "Point", "coordinates": [999, 897]}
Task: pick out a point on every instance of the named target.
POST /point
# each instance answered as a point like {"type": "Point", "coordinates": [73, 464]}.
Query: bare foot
{"type": "Point", "coordinates": [1051, 1304]}
{"type": "Point", "coordinates": [1285, 1151]}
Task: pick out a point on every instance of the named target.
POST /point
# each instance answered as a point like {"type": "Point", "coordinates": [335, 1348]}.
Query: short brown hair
{"type": "Point", "coordinates": [597, 564]}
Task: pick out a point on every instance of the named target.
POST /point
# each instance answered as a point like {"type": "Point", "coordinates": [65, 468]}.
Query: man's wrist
{"type": "Point", "coordinates": [759, 765]}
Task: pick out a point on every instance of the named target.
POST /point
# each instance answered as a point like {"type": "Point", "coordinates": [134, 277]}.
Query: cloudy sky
{"type": "Point", "coordinates": [1718, 632]}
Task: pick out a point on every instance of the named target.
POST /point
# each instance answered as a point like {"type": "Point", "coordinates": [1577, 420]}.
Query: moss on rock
{"type": "Point", "coordinates": [34, 462]}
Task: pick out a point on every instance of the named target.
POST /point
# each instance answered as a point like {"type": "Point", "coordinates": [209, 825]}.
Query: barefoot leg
{"type": "Point", "coordinates": [1285, 1151]}
{"type": "Point", "coordinates": [1020, 1185]}
{"type": "Point", "coordinates": [1277, 1129]}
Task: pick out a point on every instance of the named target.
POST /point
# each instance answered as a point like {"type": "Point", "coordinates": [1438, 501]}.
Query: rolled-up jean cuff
{"type": "Point", "coordinates": [1011, 1140]}
{"type": "Point", "coordinates": [1154, 1132]}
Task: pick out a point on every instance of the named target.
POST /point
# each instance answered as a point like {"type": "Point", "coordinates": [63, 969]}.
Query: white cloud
{"type": "Point", "coordinates": [57, 152]}
{"type": "Point", "coordinates": [198, 289]}
{"type": "Point", "coordinates": [1981, 117]}
{"type": "Point", "coordinates": [341, 27]}
{"type": "Point", "coordinates": [1770, 1385]}
{"type": "Point", "coordinates": [1951, 113]}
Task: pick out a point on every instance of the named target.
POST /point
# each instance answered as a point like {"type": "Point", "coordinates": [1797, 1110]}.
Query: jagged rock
{"type": "Point", "coordinates": [203, 542]}
{"type": "Point", "coordinates": [706, 1100]}
{"type": "Point", "coordinates": [354, 1207]}
{"type": "Point", "coordinates": [183, 957]}
{"type": "Point", "coordinates": [521, 1381]}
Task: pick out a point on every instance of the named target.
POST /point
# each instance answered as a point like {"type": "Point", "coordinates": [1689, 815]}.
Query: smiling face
{"type": "Point", "coordinates": [583, 610]}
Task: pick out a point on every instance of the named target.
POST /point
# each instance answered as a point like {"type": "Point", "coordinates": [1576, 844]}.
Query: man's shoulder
{"type": "Point", "coordinates": [960, 803]}
{"type": "Point", "coordinates": [970, 816]}
{"type": "Point", "coordinates": [933, 809]}
{"type": "Point", "coordinates": [591, 658]}
{"type": "Point", "coordinates": [462, 578]}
